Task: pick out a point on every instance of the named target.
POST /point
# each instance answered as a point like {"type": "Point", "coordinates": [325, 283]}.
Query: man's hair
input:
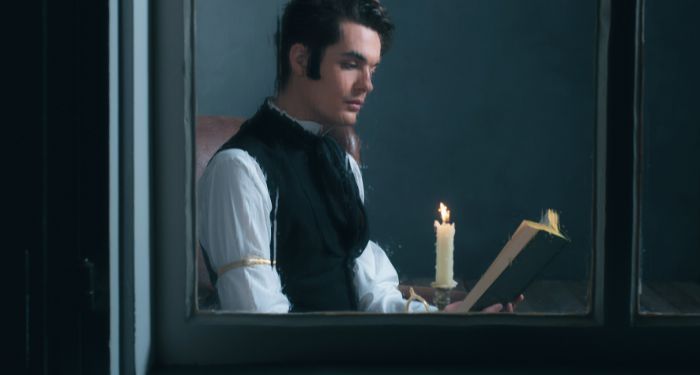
{"type": "Point", "coordinates": [316, 25]}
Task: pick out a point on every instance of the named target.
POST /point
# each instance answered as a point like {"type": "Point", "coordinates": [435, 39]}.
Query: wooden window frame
{"type": "Point", "coordinates": [613, 328]}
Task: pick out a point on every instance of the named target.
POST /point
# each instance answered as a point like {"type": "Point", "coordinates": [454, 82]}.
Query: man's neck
{"type": "Point", "coordinates": [310, 126]}
{"type": "Point", "coordinates": [293, 106]}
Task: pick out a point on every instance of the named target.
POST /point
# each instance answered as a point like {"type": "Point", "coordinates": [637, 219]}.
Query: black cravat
{"type": "Point", "coordinates": [341, 194]}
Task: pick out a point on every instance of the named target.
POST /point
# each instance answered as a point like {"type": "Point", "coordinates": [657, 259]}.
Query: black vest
{"type": "Point", "coordinates": [319, 225]}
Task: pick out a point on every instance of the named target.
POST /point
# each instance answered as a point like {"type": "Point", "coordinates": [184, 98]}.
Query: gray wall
{"type": "Point", "coordinates": [488, 106]}
{"type": "Point", "coordinates": [671, 143]}
{"type": "Point", "coordinates": [234, 54]}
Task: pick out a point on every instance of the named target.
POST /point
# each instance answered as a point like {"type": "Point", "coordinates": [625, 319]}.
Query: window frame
{"type": "Point", "coordinates": [613, 326]}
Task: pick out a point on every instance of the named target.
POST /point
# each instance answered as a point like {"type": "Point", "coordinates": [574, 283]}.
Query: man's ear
{"type": "Point", "coordinates": [298, 59]}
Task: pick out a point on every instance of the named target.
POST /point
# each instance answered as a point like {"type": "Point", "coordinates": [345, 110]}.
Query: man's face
{"type": "Point", "coordinates": [346, 76]}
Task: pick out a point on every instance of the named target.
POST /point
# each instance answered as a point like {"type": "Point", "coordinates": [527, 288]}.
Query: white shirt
{"type": "Point", "coordinates": [233, 211]}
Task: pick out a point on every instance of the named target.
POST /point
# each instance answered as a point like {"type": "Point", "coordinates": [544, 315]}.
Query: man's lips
{"type": "Point", "coordinates": [355, 105]}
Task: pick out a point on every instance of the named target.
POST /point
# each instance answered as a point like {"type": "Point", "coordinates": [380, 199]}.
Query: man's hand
{"type": "Point", "coordinates": [510, 306]}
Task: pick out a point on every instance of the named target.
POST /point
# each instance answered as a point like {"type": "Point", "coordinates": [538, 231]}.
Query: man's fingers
{"type": "Point", "coordinates": [520, 298]}
{"type": "Point", "coordinates": [510, 307]}
{"type": "Point", "coordinates": [453, 306]}
{"type": "Point", "coordinates": [493, 308]}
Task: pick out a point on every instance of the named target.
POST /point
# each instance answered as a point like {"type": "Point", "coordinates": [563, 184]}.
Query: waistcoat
{"type": "Point", "coordinates": [319, 224]}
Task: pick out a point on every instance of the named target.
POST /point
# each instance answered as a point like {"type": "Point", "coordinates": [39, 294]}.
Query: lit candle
{"type": "Point", "coordinates": [444, 249]}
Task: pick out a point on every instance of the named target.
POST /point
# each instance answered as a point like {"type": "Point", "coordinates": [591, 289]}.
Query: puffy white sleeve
{"type": "Point", "coordinates": [376, 280]}
{"type": "Point", "coordinates": [233, 222]}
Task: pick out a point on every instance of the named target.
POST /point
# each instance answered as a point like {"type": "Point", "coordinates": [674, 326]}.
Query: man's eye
{"type": "Point", "coordinates": [348, 65]}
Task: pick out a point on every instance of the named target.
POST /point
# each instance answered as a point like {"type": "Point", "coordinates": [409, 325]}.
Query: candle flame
{"type": "Point", "coordinates": [445, 213]}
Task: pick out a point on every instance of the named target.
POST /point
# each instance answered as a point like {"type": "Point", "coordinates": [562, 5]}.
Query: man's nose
{"type": "Point", "coordinates": [365, 81]}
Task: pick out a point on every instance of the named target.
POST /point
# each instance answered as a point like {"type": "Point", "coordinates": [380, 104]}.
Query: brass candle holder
{"type": "Point", "coordinates": [415, 297]}
{"type": "Point", "coordinates": [442, 294]}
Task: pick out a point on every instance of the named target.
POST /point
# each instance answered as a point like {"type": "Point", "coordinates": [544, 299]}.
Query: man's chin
{"type": "Point", "coordinates": [349, 119]}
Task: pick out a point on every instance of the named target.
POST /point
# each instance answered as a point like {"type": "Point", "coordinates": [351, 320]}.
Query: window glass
{"type": "Point", "coordinates": [486, 106]}
{"type": "Point", "coordinates": [670, 154]}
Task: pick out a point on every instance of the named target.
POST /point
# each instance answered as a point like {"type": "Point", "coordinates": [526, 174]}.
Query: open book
{"type": "Point", "coordinates": [527, 253]}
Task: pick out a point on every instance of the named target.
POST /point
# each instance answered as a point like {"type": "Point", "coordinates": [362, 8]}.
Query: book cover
{"type": "Point", "coordinates": [528, 252]}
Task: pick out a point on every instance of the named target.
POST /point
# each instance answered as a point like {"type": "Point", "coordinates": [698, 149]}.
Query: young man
{"type": "Point", "coordinates": [281, 216]}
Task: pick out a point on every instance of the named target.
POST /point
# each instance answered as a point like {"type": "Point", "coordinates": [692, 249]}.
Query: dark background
{"type": "Point", "coordinates": [56, 135]}
{"type": "Point", "coordinates": [487, 106]}
{"type": "Point", "coordinates": [671, 142]}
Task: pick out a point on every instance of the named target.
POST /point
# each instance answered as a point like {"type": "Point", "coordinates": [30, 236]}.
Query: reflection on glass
{"type": "Point", "coordinates": [487, 106]}
{"type": "Point", "coordinates": [670, 152]}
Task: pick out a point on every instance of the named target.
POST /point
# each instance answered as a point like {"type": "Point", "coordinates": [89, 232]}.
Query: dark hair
{"type": "Point", "coordinates": [316, 25]}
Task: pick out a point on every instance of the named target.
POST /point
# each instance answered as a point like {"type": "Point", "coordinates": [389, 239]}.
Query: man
{"type": "Point", "coordinates": [280, 206]}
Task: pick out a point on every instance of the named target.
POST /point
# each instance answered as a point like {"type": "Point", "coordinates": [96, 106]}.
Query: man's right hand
{"type": "Point", "coordinates": [510, 306]}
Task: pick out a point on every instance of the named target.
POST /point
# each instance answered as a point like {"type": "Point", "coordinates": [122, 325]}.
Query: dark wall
{"type": "Point", "coordinates": [235, 54]}
{"type": "Point", "coordinates": [487, 106]}
{"type": "Point", "coordinates": [671, 141]}
{"type": "Point", "coordinates": [57, 143]}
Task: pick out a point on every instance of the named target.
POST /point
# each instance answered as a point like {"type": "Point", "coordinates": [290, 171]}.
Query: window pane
{"type": "Point", "coordinates": [670, 159]}
{"type": "Point", "coordinates": [496, 120]}
{"type": "Point", "coordinates": [487, 106]}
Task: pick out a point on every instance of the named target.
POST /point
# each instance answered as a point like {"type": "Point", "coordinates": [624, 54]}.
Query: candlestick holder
{"type": "Point", "coordinates": [413, 296]}
{"type": "Point", "coordinates": [442, 297]}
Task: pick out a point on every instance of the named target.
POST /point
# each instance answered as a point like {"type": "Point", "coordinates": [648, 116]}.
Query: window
{"type": "Point", "coordinates": [181, 337]}
{"type": "Point", "coordinates": [473, 106]}
{"type": "Point", "coordinates": [668, 161]}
